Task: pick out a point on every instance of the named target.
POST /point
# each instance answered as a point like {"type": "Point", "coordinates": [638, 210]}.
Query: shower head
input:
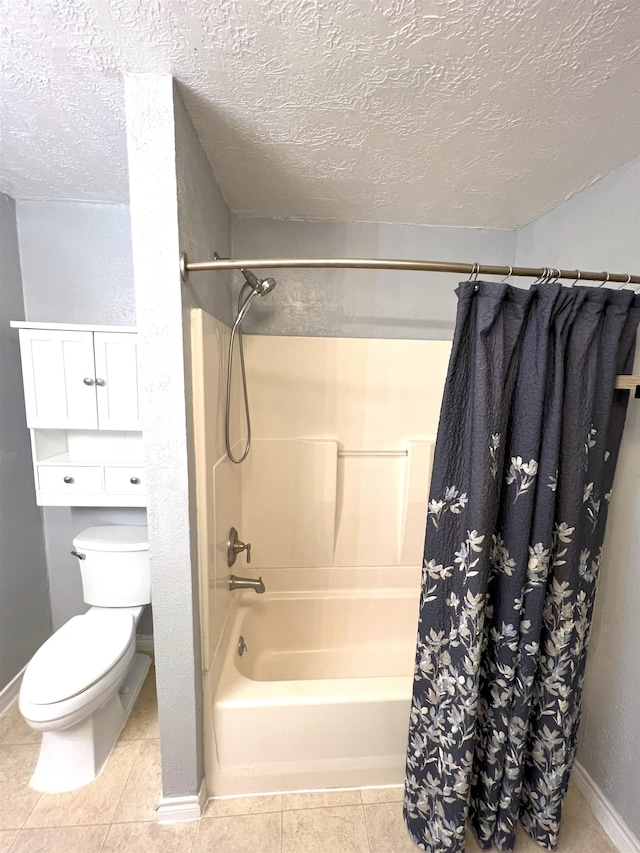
{"type": "Point", "coordinates": [260, 286]}
{"type": "Point", "coordinates": [267, 285]}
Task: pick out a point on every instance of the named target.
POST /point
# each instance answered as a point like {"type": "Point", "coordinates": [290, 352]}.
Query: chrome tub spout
{"type": "Point", "coordinates": [246, 583]}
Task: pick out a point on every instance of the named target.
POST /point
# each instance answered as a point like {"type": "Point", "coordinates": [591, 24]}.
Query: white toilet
{"type": "Point", "coordinates": [80, 686]}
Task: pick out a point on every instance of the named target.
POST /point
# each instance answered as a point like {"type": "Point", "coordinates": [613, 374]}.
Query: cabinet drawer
{"type": "Point", "coordinates": [124, 480]}
{"type": "Point", "coordinates": [78, 479]}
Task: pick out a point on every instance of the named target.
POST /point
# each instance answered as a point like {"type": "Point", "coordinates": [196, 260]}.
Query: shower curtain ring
{"type": "Point", "coordinates": [625, 283]}
{"type": "Point", "coordinates": [473, 276]}
{"type": "Point", "coordinates": [508, 275]}
{"type": "Point", "coordinates": [543, 276]}
{"type": "Point", "coordinates": [602, 283]}
{"type": "Point", "coordinates": [577, 278]}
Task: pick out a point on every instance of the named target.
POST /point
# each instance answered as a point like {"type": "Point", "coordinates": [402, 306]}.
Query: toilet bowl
{"type": "Point", "coordinates": [80, 686]}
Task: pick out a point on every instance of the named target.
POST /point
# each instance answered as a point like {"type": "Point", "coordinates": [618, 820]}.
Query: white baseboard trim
{"type": "Point", "coordinates": [611, 822]}
{"type": "Point", "coordinates": [9, 693]}
{"type": "Point", "coordinates": [179, 809]}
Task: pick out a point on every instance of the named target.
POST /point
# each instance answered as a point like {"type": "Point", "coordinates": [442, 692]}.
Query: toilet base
{"type": "Point", "coordinates": [73, 757]}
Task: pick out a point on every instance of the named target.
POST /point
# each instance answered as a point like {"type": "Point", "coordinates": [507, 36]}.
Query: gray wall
{"type": "Point", "coordinates": [25, 621]}
{"type": "Point", "coordinates": [358, 303]}
{"type": "Point", "coordinates": [77, 267]}
{"type": "Point", "coordinates": [599, 229]}
{"type": "Point", "coordinates": [76, 262]}
{"type": "Point", "coordinates": [175, 204]}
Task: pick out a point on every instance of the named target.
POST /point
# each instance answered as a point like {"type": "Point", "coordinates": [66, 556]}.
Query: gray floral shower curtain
{"type": "Point", "coordinates": [528, 439]}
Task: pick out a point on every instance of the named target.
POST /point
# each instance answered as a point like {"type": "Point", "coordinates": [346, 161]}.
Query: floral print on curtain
{"type": "Point", "coordinates": [527, 444]}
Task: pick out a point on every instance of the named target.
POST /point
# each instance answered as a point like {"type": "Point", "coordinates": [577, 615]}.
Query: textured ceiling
{"type": "Point", "coordinates": [445, 112]}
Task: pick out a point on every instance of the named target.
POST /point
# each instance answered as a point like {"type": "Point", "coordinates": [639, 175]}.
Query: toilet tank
{"type": "Point", "coordinates": [114, 564]}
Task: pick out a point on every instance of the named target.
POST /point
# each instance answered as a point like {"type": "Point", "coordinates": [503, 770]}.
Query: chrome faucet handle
{"type": "Point", "coordinates": [239, 547]}
{"type": "Point", "coordinates": [235, 547]}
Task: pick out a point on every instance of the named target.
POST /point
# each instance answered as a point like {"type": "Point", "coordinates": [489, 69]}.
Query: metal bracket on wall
{"type": "Point", "coordinates": [184, 272]}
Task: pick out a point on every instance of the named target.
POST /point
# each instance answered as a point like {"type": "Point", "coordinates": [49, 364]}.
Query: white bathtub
{"type": "Point", "coordinates": [321, 697]}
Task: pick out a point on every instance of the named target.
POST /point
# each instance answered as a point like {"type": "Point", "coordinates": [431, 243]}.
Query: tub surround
{"type": "Point", "coordinates": [310, 503]}
{"type": "Point", "coordinates": [309, 494]}
{"type": "Point", "coordinates": [217, 479]}
{"type": "Point", "coordinates": [362, 501]}
{"type": "Point", "coordinates": [333, 500]}
{"type": "Point", "coordinates": [321, 696]}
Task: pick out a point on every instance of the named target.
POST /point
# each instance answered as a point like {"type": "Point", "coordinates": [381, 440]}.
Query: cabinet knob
{"type": "Point", "coordinates": [68, 479]}
{"type": "Point", "coordinates": [88, 380]}
{"type": "Point", "coordinates": [101, 382]}
{"type": "Point", "coordinates": [135, 480]}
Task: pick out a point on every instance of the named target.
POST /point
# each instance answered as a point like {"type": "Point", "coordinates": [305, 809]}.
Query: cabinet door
{"type": "Point", "coordinates": [55, 365]}
{"type": "Point", "coordinates": [117, 380]}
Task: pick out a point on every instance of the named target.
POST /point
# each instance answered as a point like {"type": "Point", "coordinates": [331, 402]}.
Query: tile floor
{"type": "Point", "coordinates": [116, 813]}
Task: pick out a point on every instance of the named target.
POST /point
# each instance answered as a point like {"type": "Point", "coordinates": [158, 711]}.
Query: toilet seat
{"type": "Point", "coordinates": [77, 656]}
{"type": "Point", "coordinates": [62, 715]}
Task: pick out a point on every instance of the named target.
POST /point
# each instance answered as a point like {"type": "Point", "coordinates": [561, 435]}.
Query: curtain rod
{"type": "Point", "coordinates": [623, 382]}
{"type": "Point", "coordinates": [187, 266]}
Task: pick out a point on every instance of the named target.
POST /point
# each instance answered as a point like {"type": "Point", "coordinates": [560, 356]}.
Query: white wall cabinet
{"type": "Point", "coordinates": [82, 408]}
{"type": "Point", "coordinates": [58, 373]}
{"type": "Point", "coordinates": [116, 359]}
{"type": "Point", "coordinates": [80, 379]}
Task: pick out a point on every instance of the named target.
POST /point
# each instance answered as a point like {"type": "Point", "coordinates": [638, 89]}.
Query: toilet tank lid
{"type": "Point", "coordinates": [77, 655]}
{"type": "Point", "coordinates": [113, 537]}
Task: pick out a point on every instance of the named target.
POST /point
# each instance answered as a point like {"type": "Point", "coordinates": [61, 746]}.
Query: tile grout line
{"type": "Point", "coordinates": [116, 822]}
{"type": "Point", "coordinates": [366, 827]}
{"type": "Point", "coordinates": [26, 820]}
{"type": "Point", "coordinates": [115, 810]}
{"type": "Point", "coordinates": [24, 824]}
{"type": "Point", "coordinates": [193, 840]}
{"type": "Point", "coordinates": [14, 842]}
{"type": "Point", "coordinates": [281, 830]}
{"type": "Point", "coordinates": [104, 840]}
{"type": "Point", "coordinates": [300, 809]}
